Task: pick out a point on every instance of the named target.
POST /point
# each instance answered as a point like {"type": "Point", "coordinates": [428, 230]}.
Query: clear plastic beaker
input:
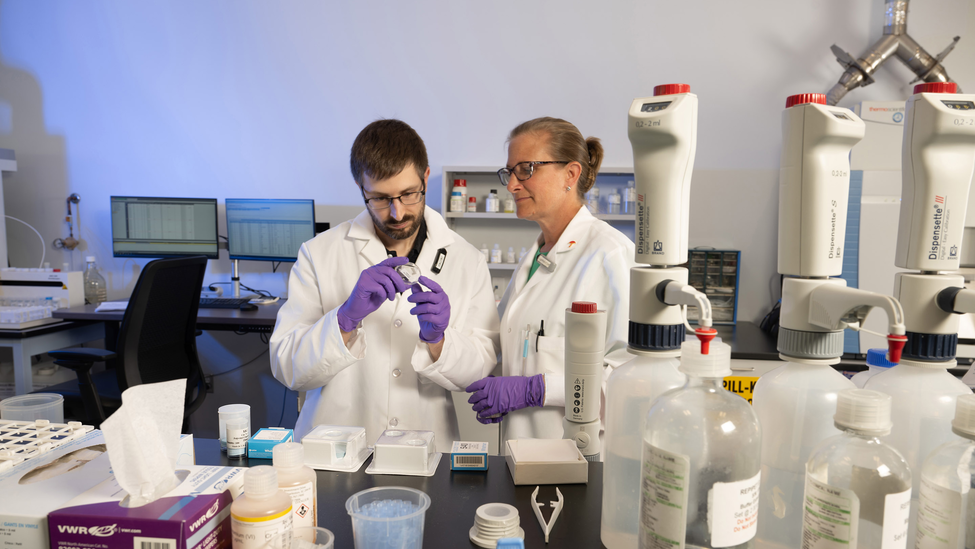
{"type": "Point", "coordinates": [49, 406]}
{"type": "Point", "coordinates": [388, 517]}
{"type": "Point", "coordinates": [298, 539]}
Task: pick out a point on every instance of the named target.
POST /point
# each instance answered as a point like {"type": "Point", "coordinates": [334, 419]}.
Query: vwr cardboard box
{"type": "Point", "coordinates": [42, 484]}
{"type": "Point", "coordinates": [194, 515]}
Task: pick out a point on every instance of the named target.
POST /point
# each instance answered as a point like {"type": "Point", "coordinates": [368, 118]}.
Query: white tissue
{"type": "Point", "coordinates": [143, 439]}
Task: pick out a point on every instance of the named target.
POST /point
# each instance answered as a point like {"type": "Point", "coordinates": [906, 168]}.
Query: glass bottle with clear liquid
{"type": "Point", "coordinates": [630, 391]}
{"type": "Point", "coordinates": [946, 510]}
{"type": "Point", "coordinates": [795, 404]}
{"type": "Point", "coordinates": [701, 460]}
{"type": "Point", "coordinates": [96, 289]}
{"type": "Point", "coordinates": [858, 489]}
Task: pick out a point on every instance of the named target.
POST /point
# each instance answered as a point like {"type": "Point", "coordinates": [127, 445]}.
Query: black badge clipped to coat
{"type": "Point", "coordinates": [439, 261]}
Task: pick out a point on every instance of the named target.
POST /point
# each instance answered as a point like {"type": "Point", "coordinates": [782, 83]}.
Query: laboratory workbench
{"type": "Point", "coordinates": [455, 496]}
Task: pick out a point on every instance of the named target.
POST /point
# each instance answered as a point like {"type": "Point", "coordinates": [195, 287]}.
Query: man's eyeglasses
{"type": "Point", "coordinates": [383, 202]}
{"type": "Point", "coordinates": [524, 170]}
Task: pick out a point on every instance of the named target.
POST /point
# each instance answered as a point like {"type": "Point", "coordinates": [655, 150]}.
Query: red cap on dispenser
{"type": "Point", "coordinates": [671, 89]}
{"type": "Point", "coordinates": [585, 307]}
{"type": "Point", "coordinates": [803, 98]}
{"type": "Point", "coordinates": [936, 87]}
{"type": "Point", "coordinates": [895, 344]}
{"type": "Point", "coordinates": [705, 335]}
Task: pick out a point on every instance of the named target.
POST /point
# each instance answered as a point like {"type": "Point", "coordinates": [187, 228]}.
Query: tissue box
{"type": "Point", "coordinates": [41, 484]}
{"type": "Point", "coordinates": [195, 514]}
{"type": "Point", "coordinates": [469, 456]}
{"type": "Point", "coordinates": [265, 439]}
{"type": "Point", "coordinates": [546, 461]}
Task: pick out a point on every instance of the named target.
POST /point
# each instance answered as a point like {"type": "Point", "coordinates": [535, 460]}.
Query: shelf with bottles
{"type": "Point", "coordinates": [715, 272]}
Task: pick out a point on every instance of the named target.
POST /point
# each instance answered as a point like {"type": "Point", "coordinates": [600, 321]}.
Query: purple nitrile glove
{"type": "Point", "coordinates": [376, 284]}
{"type": "Point", "coordinates": [432, 310]}
{"type": "Point", "coordinates": [495, 396]}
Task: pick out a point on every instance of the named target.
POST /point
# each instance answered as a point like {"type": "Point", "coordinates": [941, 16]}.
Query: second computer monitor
{"type": "Point", "coordinates": [269, 229]}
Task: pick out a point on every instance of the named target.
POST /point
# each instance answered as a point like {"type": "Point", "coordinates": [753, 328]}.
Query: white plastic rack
{"type": "Point", "coordinates": [22, 440]}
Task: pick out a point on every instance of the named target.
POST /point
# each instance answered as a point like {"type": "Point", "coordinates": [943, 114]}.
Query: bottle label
{"type": "Point", "coordinates": [970, 520]}
{"type": "Point", "coordinates": [663, 499]}
{"type": "Point", "coordinates": [938, 516]}
{"type": "Point", "coordinates": [237, 441]}
{"type": "Point", "coordinates": [830, 515]}
{"type": "Point", "coordinates": [897, 516]}
{"type": "Point", "coordinates": [254, 533]}
{"type": "Point", "coordinates": [733, 511]}
{"type": "Point", "coordinates": [303, 504]}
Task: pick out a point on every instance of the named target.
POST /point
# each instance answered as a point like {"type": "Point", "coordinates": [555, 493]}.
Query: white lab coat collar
{"type": "Point", "coordinates": [574, 232]}
{"type": "Point", "coordinates": [363, 230]}
{"type": "Point", "coordinates": [570, 239]}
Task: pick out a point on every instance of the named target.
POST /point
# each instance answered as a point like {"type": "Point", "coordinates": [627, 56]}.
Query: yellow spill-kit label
{"type": "Point", "coordinates": [741, 385]}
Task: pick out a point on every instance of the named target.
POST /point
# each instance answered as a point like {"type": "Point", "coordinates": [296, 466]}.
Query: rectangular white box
{"type": "Point", "coordinates": [546, 461]}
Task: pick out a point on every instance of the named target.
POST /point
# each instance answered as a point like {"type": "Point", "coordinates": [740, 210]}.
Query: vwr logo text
{"type": "Point", "coordinates": [100, 531]}
{"type": "Point", "coordinates": [209, 515]}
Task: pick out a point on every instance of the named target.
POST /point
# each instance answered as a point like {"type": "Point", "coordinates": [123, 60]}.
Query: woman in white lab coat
{"type": "Point", "coordinates": [576, 258]}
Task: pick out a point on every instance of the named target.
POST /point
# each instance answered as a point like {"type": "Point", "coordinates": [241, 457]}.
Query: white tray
{"type": "Point", "coordinates": [363, 456]}
{"type": "Point", "coordinates": [431, 470]}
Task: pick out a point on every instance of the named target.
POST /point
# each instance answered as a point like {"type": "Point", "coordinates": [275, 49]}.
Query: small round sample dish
{"type": "Point", "coordinates": [410, 272]}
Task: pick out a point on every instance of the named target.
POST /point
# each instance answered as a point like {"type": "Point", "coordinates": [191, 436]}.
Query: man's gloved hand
{"type": "Point", "coordinates": [376, 284]}
{"type": "Point", "coordinates": [432, 310]}
{"type": "Point", "coordinates": [496, 396]}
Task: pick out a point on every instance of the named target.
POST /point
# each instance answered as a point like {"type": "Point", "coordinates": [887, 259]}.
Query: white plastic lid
{"type": "Point", "coordinates": [717, 363]}
{"type": "Point", "coordinates": [234, 410]}
{"type": "Point", "coordinates": [260, 481]}
{"type": "Point", "coordinates": [89, 258]}
{"type": "Point", "coordinates": [863, 410]}
{"type": "Point", "coordinates": [964, 423]}
{"type": "Point", "coordinates": [288, 455]}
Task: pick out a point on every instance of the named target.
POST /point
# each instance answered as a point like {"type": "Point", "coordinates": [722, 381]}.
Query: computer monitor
{"type": "Point", "coordinates": [269, 229]}
{"type": "Point", "coordinates": [154, 227]}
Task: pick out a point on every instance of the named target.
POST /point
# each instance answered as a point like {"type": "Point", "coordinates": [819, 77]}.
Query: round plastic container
{"type": "Point", "coordinates": [229, 411]}
{"type": "Point", "coordinates": [297, 539]}
{"type": "Point", "coordinates": [388, 517]}
{"type": "Point", "coordinates": [47, 406]}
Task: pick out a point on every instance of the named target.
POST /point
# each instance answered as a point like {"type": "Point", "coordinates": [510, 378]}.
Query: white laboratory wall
{"type": "Point", "coordinates": [263, 99]}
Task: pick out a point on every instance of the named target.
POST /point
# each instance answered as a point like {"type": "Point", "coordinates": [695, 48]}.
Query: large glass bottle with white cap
{"type": "Point", "coordinates": [923, 397]}
{"type": "Point", "coordinates": [631, 390]}
{"type": "Point", "coordinates": [701, 460]}
{"type": "Point", "coordinates": [946, 507]}
{"type": "Point", "coordinates": [262, 512]}
{"type": "Point", "coordinates": [298, 481]}
{"type": "Point", "coordinates": [858, 489]}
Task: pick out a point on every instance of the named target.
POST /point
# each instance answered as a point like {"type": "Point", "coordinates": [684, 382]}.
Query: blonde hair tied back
{"type": "Point", "coordinates": [565, 142]}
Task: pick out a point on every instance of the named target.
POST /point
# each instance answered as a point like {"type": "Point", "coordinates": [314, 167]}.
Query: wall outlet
{"type": "Point", "coordinates": [208, 381]}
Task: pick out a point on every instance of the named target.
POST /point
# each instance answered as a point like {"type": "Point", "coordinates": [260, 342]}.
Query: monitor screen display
{"type": "Point", "coordinates": [269, 229]}
{"type": "Point", "coordinates": [164, 227]}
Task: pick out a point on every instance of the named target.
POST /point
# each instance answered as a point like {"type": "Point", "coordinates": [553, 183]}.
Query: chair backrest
{"type": "Point", "coordinates": [157, 339]}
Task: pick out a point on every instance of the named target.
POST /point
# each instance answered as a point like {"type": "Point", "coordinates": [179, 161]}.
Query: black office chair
{"type": "Point", "coordinates": [156, 342]}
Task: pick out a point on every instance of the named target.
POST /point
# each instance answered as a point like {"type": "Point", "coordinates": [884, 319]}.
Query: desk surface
{"type": "Point", "coordinates": [455, 496]}
{"type": "Point", "coordinates": [214, 319]}
{"type": "Point", "coordinates": [37, 330]}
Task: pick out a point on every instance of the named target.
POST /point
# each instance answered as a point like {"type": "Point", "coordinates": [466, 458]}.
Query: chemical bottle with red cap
{"type": "Point", "coordinates": [796, 401]}
{"type": "Point", "coordinates": [701, 460]}
{"type": "Point", "coordinates": [938, 161]}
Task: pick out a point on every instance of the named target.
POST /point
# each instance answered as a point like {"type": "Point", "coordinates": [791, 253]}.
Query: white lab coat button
{"type": "Point", "coordinates": [393, 422]}
{"type": "Point", "coordinates": [398, 323]}
{"type": "Point", "coordinates": [397, 373]}
{"type": "Point", "coordinates": [509, 330]}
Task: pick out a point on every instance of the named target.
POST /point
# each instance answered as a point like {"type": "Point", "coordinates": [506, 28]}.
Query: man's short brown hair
{"type": "Point", "coordinates": [383, 148]}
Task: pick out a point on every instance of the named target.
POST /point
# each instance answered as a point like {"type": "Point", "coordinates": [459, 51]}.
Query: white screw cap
{"type": "Point", "coordinates": [288, 455]}
{"type": "Point", "coordinates": [863, 410]}
{"type": "Point", "coordinates": [964, 423]}
{"type": "Point", "coordinates": [89, 258]}
{"type": "Point", "coordinates": [260, 481]}
{"type": "Point", "coordinates": [717, 363]}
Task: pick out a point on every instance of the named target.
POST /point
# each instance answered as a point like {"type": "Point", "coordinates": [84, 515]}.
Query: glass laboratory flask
{"type": "Point", "coordinates": [96, 289]}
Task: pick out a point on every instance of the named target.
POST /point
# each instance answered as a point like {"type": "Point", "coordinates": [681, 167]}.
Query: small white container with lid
{"type": "Point", "coordinates": [402, 452]}
{"type": "Point", "coordinates": [336, 448]}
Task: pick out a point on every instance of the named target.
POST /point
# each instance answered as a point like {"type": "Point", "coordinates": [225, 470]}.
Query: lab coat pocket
{"type": "Point", "coordinates": [550, 356]}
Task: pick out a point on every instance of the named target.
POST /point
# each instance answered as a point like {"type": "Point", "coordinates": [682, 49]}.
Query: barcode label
{"type": "Point", "coordinates": [153, 543]}
{"type": "Point", "coordinates": [468, 461]}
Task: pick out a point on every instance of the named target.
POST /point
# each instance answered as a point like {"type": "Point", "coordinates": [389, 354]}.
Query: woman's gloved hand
{"type": "Point", "coordinates": [496, 396]}
{"type": "Point", "coordinates": [376, 284]}
{"type": "Point", "coordinates": [432, 310]}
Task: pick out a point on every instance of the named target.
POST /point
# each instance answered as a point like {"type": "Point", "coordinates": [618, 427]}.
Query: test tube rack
{"type": "Point", "coordinates": [22, 440]}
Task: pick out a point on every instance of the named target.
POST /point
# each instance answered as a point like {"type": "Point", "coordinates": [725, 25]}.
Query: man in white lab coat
{"type": "Point", "coordinates": [370, 349]}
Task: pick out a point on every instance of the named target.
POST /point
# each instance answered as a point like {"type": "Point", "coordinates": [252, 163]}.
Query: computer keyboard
{"type": "Point", "coordinates": [222, 302]}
